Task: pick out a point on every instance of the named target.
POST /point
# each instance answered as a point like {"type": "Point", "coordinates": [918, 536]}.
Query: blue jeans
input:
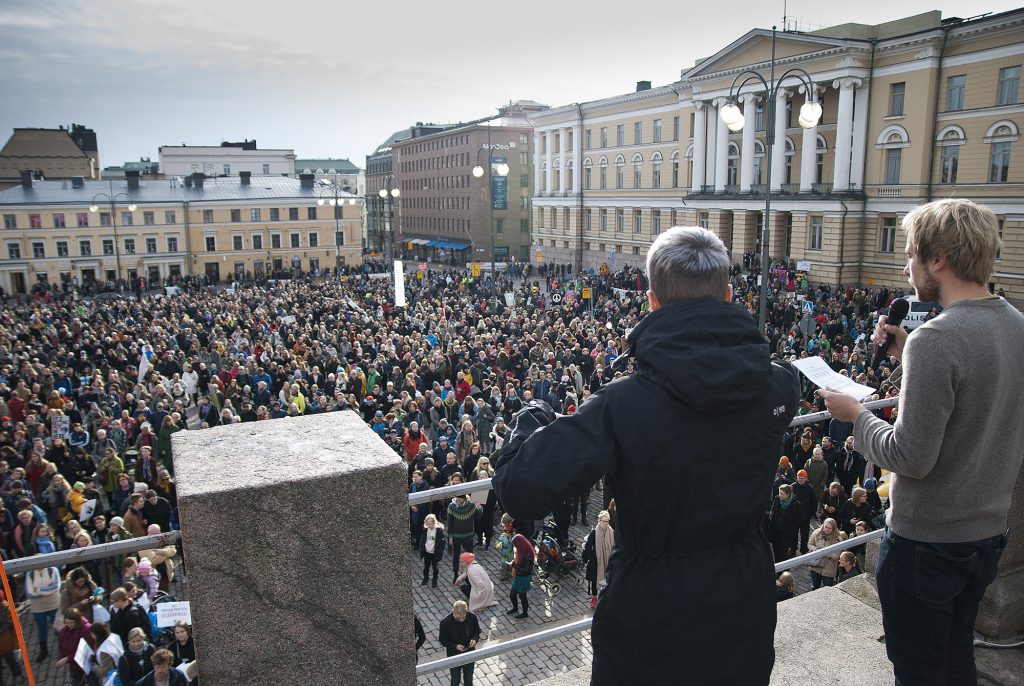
{"type": "Point", "coordinates": [466, 674]}
{"type": "Point", "coordinates": [44, 624]}
{"type": "Point", "coordinates": [930, 594]}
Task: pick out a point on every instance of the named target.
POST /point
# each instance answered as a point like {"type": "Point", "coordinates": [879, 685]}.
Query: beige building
{"type": "Point", "coordinates": [913, 110]}
{"type": "Point", "coordinates": [50, 154]}
{"type": "Point", "coordinates": [98, 231]}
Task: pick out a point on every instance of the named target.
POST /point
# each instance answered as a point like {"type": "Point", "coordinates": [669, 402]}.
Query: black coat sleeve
{"type": "Point", "coordinates": [421, 636]}
{"type": "Point", "coordinates": [546, 460]}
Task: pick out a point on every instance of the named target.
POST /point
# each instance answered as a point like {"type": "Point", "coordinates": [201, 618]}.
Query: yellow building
{"type": "Point", "coordinates": [82, 231]}
{"type": "Point", "coordinates": [913, 110]}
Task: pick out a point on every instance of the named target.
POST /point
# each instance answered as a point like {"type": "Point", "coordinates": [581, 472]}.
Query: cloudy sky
{"type": "Point", "coordinates": [334, 79]}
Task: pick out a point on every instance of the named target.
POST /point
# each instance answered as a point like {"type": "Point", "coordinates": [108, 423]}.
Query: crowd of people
{"type": "Point", "coordinates": [92, 390]}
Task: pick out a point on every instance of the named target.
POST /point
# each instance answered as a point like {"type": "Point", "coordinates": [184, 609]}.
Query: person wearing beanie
{"type": "Point", "coordinates": [804, 492]}
{"type": "Point", "coordinates": [783, 475]}
{"type": "Point", "coordinates": [871, 486]}
{"type": "Point", "coordinates": [474, 583]}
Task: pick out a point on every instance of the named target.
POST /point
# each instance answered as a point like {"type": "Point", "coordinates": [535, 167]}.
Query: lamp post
{"type": "Point", "coordinates": [732, 117]}
{"type": "Point", "coordinates": [478, 172]}
{"type": "Point", "coordinates": [112, 199]}
{"type": "Point", "coordinates": [388, 196]}
{"type": "Point", "coordinates": [328, 192]}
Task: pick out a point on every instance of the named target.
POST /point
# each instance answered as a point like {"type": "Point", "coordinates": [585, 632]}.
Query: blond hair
{"type": "Point", "coordinates": [965, 233]}
{"type": "Point", "coordinates": [459, 607]}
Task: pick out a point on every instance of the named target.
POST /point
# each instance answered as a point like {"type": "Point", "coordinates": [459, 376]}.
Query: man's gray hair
{"type": "Point", "coordinates": [688, 262]}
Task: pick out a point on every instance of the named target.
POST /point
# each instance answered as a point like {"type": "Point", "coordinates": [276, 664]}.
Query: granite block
{"type": "Point", "coordinates": [295, 536]}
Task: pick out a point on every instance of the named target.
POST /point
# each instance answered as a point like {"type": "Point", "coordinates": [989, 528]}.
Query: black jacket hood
{"type": "Point", "coordinates": [706, 352]}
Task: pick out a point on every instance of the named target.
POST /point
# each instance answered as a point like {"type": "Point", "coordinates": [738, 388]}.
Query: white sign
{"type": "Point", "coordinates": [803, 266]}
{"type": "Point", "coordinates": [510, 299]}
{"type": "Point", "coordinates": [60, 427]}
{"type": "Point", "coordinates": [399, 284]}
{"type": "Point", "coordinates": [83, 656]}
{"type": "Point", "coordinates": [167, 614]}
{"type": "Point", "coordinates": [822, 376]}
{"type": "Point", "coordinates": [808, 307]}
{"type": "Point", "coordinates": [88, 507]}
{"type": "Point", "coordinates": [290, 319]}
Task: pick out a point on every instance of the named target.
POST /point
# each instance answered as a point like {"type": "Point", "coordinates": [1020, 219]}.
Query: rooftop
{"type": "Point", "coordinates": [41, 143]}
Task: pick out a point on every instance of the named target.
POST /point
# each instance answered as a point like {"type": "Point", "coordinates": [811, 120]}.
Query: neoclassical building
{"type": "Point", "coordinates": [913, 110]}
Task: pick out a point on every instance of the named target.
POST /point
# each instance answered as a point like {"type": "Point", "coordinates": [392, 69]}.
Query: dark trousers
{"type": "Point", "coordinates": [930, 594]}
{"type": "Point", "coordinates": [804, 532]}
{"type": "Point", "coordinates": [429, 562]}
{"type": "Point", "coordinates": [516, 597]}
{"type": "Point", "coordinates": [817, 580]}
{"type": "Point", "coordinates": [465, 673]}
{"type": "Point", "coordinates": [460, 544]}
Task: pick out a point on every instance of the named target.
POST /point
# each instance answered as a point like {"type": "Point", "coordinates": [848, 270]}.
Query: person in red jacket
{"type": "Point", "coordinates": [411, 441]}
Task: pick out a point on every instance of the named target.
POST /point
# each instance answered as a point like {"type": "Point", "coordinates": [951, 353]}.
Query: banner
{"type": "Point", "coordinates": [499, 185]}
{"type": "Point", "coordinates": [399, 284]}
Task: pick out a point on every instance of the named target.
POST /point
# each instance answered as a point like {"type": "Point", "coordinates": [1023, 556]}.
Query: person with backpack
{"type": "Point", "coordinates": [128, 616]}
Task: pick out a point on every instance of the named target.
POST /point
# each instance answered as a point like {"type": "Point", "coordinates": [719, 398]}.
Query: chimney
{"type": "Point", "coordinates": [188, 181]}
{"type": "Point", "coordinates": [78, 182]}
{"type": "Point", "coordinates": [132, 177]}
{"type": "Point", "coordinates": [306, 180]}
{"type": "Point", "coordinates": [244, 177]}
{"type": "Point", "coordinates": [197, 179]}
{"type": "Point", "coordinates": [643, 86]}
{"type": "Point", "coordinates": [26, 178]}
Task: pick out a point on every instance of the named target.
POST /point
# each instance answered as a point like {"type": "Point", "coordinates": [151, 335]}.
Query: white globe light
{"type": "Point", "coordinates": [320, 201]}
{"type": "Point", "coordinates": [382, 193]}
{"type": "Point", "coordinates": [730, 114]}
{"type": "Point", "coordinates": [478, 171]}
{"type": "Point", "coordinates": [735, 126]}
{"type": "Point", "coordinates": [502, 169]}
{"type": "Point", "coordinates": [804, 124]}
{"type": "Point", "coordinates": [811, 111]}
{"type": "Point", "coordinates": [395, 192]}
{"type": "Point", "coordinates": [131, 207]}
{"type": "Point", "coordinates": [351, 201]}
{"type": "Point", "coordinates": [94, 208]}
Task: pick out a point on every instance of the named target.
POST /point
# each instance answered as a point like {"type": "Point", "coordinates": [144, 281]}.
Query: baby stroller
{"type": "Point", "coordinates": [553, 561]}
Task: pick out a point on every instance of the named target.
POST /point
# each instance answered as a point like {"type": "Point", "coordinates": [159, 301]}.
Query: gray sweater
{"type": "Point", "coordinates": [958, 441]}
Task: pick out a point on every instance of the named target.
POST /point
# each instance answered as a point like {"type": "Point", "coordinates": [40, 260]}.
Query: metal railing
{"type": "Point", "coordinates": [494, 649]}
{"type": "Point", "coordinates": [91, 552]}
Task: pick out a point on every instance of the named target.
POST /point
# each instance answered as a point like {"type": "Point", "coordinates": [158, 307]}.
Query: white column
{"type": "Point", "coordinates": [779, 149]}
{"type": "Point", "coordinates": [747, 150]}
{"type": "Point", "coordinates": [721, 148]}
{"type": "Point", "coordinates": [561, 159]}
{"type": "Point", "coordinates": [577, 158]}
{"type": "Point", "coordinates": [699, 135]}
{"type": "Point", "coordinates": [711, 151]}
{"type": "Point", "coordinates": [809, 149]}
{"type": "Point", "coordinates": [536, 162]}
{"type": "Point", "coordinates": [844, 133]}
{"type": "Point", "coordinates": [860, 134]}
{"type": "Point", "coordinates": [549, 156]}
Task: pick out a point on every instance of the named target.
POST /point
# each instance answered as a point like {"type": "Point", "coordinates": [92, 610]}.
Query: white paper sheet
{"type": "Point", "coordinates": [822, 376]}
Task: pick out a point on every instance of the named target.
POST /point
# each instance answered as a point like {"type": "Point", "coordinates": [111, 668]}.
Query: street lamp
{"type": "Point", "coordinates": [388, 196]}
{"type": "Point", "coordinates": [501, 169]}
{"type": "Point", "coordinates": [112, 198]}
{"type": "Point", "coordinates": [328, 192]}
{"type": "Point", "coordinates": [732, 117]}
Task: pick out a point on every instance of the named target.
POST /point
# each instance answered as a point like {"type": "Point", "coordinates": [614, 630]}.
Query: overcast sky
{"type": "Point", "coordinates": [335, 79]}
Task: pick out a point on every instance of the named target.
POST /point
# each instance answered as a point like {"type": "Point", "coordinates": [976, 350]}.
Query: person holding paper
{"type": "Point", "coordinates": [960, 421]}
{"type": "Point", "coordinates": [75, 629]}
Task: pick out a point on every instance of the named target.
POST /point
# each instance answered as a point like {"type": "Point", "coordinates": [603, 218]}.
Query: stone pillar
{"type": "Point", "coordinates": [809, 149]}
{"type": "Point", "coordinates": [720, 221]}
{"type": "Point", "coordinates": [562, 159]}
{"type": "Point", "coordinates": [537, 157]}
{"type": "Point", "coordinates": [296, 533]}
{"type": "Point", "coordinates": [699, 140]}
{"type": "Point", "coordinates": [549, 147]}
{"type": "Point", "coordinates": [744, 230]}
{"type": "Point", "coordinates": [577, 158]}
{"type": "Point", "coordinates": [1001, 615]}
{"type": "Point", "coordinates": [721, 147]}
{"type": "Point", "coordinates": [844, 133]}
{"type": "Point", "coordinates": [779, 148]}
{"type": "Point", "coordinates": [711, 157]}
{"type": "Point", "coordinates": [777, 235]}
{"type": "Point", "coordinates": [747, 148]}
{"type": "Point", "coordinates": [860, 134]}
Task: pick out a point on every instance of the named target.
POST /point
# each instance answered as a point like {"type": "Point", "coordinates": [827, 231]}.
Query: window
{"type": "Point", "coordinates": [339, 237]}
{"type": "Point", "coordinates": [955, 87]}
{"type": "Point", "coordinates": [620, 221]}
{"type": "Point", "coordinates": [148, 219]}
{"type": "Point", "coordinates": [211, 244]}
{"type": "Point", "coordinates": [896, 93]}
{"type": "Point", "coordinates": [587, 169]}
{"type": "Point", "coordinates": [950, 161]}
{"type": "Point", "coordinates": [620, 134]}
{"type": "Point", "coordinates": [604, 137]}
{"type": "Point", "coordinates": [236, 242]}
{"type": "Point", "coordinates": [275, 241]}
{"type": "Point", "coordinates": [13, 251]}
{"type": "Point", "coordinates": [172, 244]}
{"type": "Point", "coordinates": [888, 237]}
{"type": "Point", "coordinates": [703, 220]}
{"type": "Point", "coordinates": [656, 170]}
{"type": "Point", "coordinates": [586, 139]}
{"type": "Point", "coordinates": [524, 180]}
{"type": "Point", "coordinates": [127, 219]}
{"type": "Point", "coordinates": [524, 203]}
{"type": "Point", "coordinates": [293, 213]}
{"type": "Point", "coordinates": [638, 133]}
{"type": "Point", "coordinates": [1009, 85]}
{"type": "Point", "coordinates": [314, 239]}
{"type": "Point", "coordinates": [62, 249]}
{"type": "Point", "coordinates": [255, 215]}
{"type": "Point", "coordinates": [619, 165]}
{"type": "Point", "coordinates": [207, 216]}
{"type": "Point", "coordinates": [82, 219]}
{"type": "Point", "coordinates": [675, 128]}
{"type": "Point", "coordinates": [129, 246]}
{"type": "Point", "coordinates": [311, 212]}
{"type": "Point", "coordinates": [588, 219]}
{"type": "Point", "coordinates": [35, 221]}
{"type": "Point", "coordinates": [58, 220]}
{"type": "Point", "coordinates": [637, 173]}
{"type": "Point", "coordinates": [499, 226]}
{"type": "Point", "coordinates": [637, 221]}
{"type": "Point", "coordinates": [105, 219]}
{"type": "Point", "coordinates": [604, 174]}
{"type": "Point", "coordinates": [108, 246]}
{"type": "Point", "coordinates": [999, 169]}
{"type": "Point", "coordinates": [814, 238]}
{"type": "Point", "coordinates": [675, 170]}
{"type": "Point", "coordinates": [603, 226]}
{"type": "Point", "coordinates": [656, 222]}
{"type": "Point", "coordinates": [759, 116]}
{"type": "Point", "coordinates": [275, 214]}
{"type": "Point", "coordinates": [657, 130]}
{"type": "Point", "coordinates": [151, 245]}
{"type": "Point", "coordinates": [524, 159]}
{"type": "Point", "coordinates": [294, 238]}
{"type": "Point", "coordinates": [85, 247]}
{"type": "Point", "coordinates": [236, 215]}
{"type": "Point", "coordinates": [170, 217]}
{"type": "Point", "coordinates": [10, 221]}
{"type": "Point", "coordinates": [893, 160]}
{"type": "Point", "coordinates": [266, 169]}
{"type": "Point", "coordinates": [227, 170]}
{"type": "Point", "coordinates": [257, 241]}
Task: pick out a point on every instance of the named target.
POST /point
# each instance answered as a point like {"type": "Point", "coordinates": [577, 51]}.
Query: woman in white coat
{"type": "Point", "coordinates": [475, 584]}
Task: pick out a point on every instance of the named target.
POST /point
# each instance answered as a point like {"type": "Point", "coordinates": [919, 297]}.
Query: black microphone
{"type": "Point", "coordinates": [898, 310]}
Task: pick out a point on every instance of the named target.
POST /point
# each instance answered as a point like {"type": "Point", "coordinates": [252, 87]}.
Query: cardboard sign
{"type": "Point", "coordinates": [167, 614]}
{"type": "Point", "coordinates": [60, 427]}
{"type": "Point", "coordinates": [803, 265]}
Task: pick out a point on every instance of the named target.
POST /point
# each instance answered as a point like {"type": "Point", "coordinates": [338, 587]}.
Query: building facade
{"type": "Point", "coordinates": [913, 110]}
{"type": "Point", "coordinates": [56, 232]}
{"type": "Point", "coordinates": [226, 159]}
{"type": "Point", "coordinates": [50, 154]}
{"type": "Point", "coordinates": [337, 171]}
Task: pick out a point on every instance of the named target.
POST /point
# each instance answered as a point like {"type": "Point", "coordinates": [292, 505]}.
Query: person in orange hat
{"type": "Point", "coordinates": [474, 583]}
{"type": "Point", "coordinates": [784, 474]}
{"type": "Point", "coordinates": [804, 492]}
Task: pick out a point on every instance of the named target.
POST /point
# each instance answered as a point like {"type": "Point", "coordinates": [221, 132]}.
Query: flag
{"type": "Point", "coordinates": [144, 365]}
{"type": "Point", "coordinates": [399, 284]}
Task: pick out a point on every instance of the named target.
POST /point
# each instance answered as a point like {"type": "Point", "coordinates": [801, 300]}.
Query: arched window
{"type": "Point", "coordinates": [675, 168]}
{"type": "Point", "coordinates": [656, 170]}
{"type": "Point", "coordinates": [603, 167]}
{"type": "Point", "coordinates": [620, 166]}
{"type": "Point", "coordinates": [587, 167]}
{"type": "Point", "coordinates": [733, 168]}
{"type": "Point", "coordinates": [758, 161]}
{"type": "Point", "coordinates": [543, 176]}
{"type": "Point", "coordinates": [893, 139]}
{"type": "Point", "coordinates": [821, 147]}
{"type": "Point", "coordinates": [638, 164]}
{"type": "Point", "coordinates": [1001, 137]}
{"type": "Point", "coordinates": [568, 176]}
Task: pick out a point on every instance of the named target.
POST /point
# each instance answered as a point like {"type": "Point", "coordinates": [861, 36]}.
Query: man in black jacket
{"type": "Point", "coordinates": [459, 633]}
{"type": "Point", "coordinates": [127, 616]}
{"type": "Point", "coordinates": [691, 586]}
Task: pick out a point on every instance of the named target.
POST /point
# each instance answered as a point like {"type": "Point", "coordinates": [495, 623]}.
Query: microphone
{"type": "Point", "coordinates": [898, 310]}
